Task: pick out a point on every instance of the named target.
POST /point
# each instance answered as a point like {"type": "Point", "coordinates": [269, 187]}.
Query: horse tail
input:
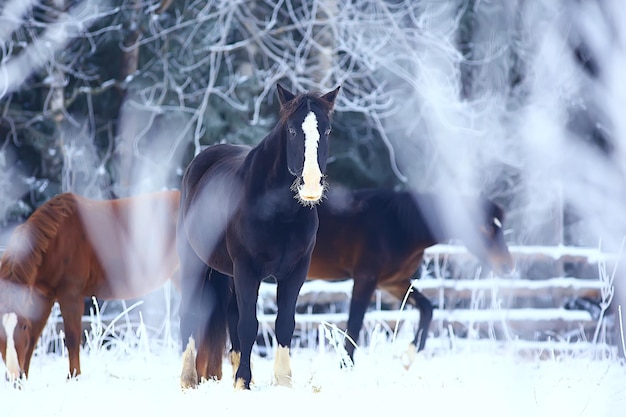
{"type": "Point", "coordinates": [30, 241]}
{"type": "Point", "coordinates": [215, 332]}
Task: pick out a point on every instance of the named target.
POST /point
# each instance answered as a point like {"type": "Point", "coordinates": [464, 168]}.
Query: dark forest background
{"type": "Point", "coordinates": [113, 98]}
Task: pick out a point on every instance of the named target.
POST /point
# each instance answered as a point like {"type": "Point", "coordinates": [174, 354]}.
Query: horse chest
{"type": "Point", "coordinates": [277, 244]}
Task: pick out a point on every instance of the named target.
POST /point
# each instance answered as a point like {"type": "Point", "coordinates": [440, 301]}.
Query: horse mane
{"type": "Point", "coordinates": [390, 202]}
{"type": "Point", "coordinates": [294, 105]}
{"type": "Point", "coordinates": [30, 241]}
{"type": "Point", "coordinates": [415, 214]}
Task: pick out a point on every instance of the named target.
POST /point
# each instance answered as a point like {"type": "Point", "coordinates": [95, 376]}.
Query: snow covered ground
{"type": "Point", "coordinates": [486, 379]}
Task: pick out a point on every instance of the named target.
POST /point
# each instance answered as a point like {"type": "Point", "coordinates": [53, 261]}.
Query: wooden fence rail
{"type": "Point", "coordinates": [527, 308]}
{"type": "Point", "coordinates": [519, 308]}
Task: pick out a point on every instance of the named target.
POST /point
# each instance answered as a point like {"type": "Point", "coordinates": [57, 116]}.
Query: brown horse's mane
{"type": "Point", "coordinates": [30, 241]}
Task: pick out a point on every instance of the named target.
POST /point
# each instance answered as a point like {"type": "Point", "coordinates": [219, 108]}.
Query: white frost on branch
{"type": "Point", "coordinates": [69, 25]}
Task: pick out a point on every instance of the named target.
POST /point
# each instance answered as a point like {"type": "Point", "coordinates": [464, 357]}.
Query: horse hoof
{"type": "Point", "coordinates": [409, 356]}
{"type": "Point", "coordinates": [188, 381]}
{"type": "Point", "coordinates": [241, 385]}
{"type": "Point", "coordinates": [282, 367]}
{"type": "Point", "coordinates": [16, 383]}
{"type": "Point", "coordinates": [74, 376]}
{"type": "Point", "coordinates": [284, 381]}
{"type": "Point", "coordinates": [235, 359]}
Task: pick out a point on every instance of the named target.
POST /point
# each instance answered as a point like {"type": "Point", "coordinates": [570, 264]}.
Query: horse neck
{"type": "Point", "coordinates": [22, 257]}
{"type": "Point", "coordinates": [14, 292]}
{"type": "Point", "coordinates": [449, 216]}
{"type": "Point", "coordinates": [265, 167]}
{"type": "Point", "coordinates": [423, 222]}
{"type": "Point", "coordinates": [30, 241]}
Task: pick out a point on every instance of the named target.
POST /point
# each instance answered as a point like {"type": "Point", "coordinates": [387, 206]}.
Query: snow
{"type": "Point", "coordinates": [452, 378]}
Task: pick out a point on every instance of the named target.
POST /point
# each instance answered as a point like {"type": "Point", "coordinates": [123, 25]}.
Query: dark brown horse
{"type": "Point", "coordinates": [377, 237]}
{"type": "Point", "coordinates": [249, 213]}
{"type": "Point", "coordinates": [72, 247]}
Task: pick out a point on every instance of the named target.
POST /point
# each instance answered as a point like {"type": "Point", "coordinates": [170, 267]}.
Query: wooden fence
{"type": "Point", "coordinates": [472, 305]}
{"type": "Point", "coordinates": [546, 308]}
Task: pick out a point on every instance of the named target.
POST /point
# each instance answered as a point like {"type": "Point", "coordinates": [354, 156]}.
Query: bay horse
{"type": "Point", "coordinates": [377, 237]}
{"type": "Point", "coordinates": [250, 213]}
{"type": "Point", "coordinates": [72, 247]}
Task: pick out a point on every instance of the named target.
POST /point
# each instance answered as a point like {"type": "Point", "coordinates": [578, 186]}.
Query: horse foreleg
{"type": "Point", "coordinates": [247, 291]}
{"type": "Point", "coordinates": [72, 310]}
{"type": "Point", "coordinates": [425, 308]}
{"type": "Point", "coordinates": [426, 316]}
{"type": "Point", "coordinates": [287, 292]}
{"type": "Point", "coordinates": [364, 286]}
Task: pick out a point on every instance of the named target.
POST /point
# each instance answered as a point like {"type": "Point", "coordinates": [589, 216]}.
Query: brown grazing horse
{"type": "Point", "coordinates": [72, 247]}
{"type": "Point", "coordinates": [377, 237]}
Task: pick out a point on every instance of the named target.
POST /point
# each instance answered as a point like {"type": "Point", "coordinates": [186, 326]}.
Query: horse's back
{"type": "Point", "coordinates": [132, 240]}
{"type": "Point", "coordinates": [364, 230]}
{"type": "Point", "coordinates": [212, 191]}
{"type": "Point", "coordinates": [225, 157]}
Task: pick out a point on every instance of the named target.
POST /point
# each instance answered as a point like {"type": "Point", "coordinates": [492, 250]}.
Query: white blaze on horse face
{"type": "Point", "coordinates": [497, 222]}
{"type": "Point", "coordinates": [312, 188]}
{"type": "Point", "coordinates": [9, 321]}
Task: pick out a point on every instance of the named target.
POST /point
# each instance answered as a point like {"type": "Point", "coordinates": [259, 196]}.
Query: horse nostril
{"type": "Point", "coordinates": [310, 192]}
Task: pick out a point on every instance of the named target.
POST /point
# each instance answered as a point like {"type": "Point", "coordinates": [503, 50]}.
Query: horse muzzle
{"type": "Point", "coordinates": [311, 194]}
{"type": "Point", "coordinates": [309, 188]}
{"type": "Point", "coordinates": [504, 266]}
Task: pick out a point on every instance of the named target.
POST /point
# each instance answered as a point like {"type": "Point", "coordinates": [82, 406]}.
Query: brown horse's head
{"type": "Point", "coordinates": [15, 337]}
{"type": "Point", "coordinates": [493, 248]}
{"type": "Point", "coordinates": [17, 272]}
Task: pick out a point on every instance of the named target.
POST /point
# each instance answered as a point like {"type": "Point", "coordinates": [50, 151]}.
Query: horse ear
{"type": "Point", "coordinates": [284, 95]}
{"type": "Point", "coordinates": [330, 97]}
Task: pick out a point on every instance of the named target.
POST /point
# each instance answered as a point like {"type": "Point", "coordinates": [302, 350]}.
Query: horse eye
{"type": "Point", "coordinates": [292, 131]}
{"type": "Point", "coordinates": [24, 326]}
